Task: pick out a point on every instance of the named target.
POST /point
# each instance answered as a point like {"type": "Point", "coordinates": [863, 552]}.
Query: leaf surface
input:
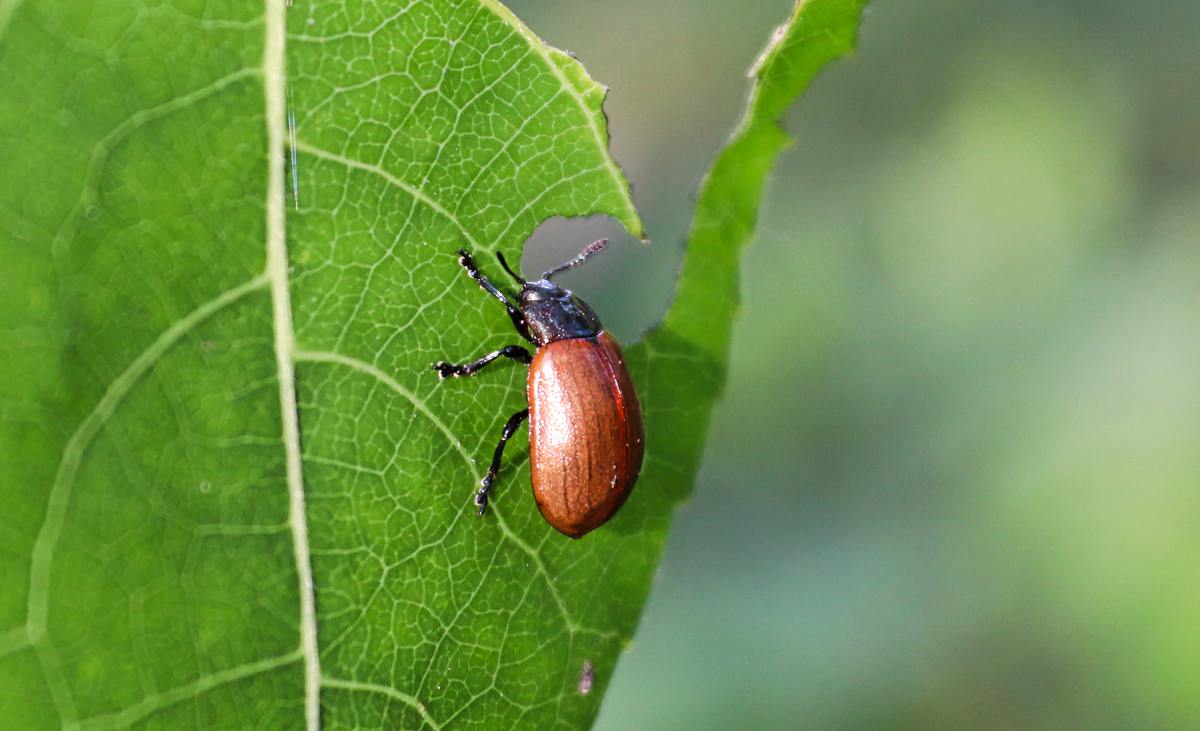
{"type": "Point", "coordinates": [235, 493]}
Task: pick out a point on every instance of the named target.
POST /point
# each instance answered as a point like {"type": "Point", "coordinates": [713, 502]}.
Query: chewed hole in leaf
{"type": "Point", "coordinates": [604, 280]}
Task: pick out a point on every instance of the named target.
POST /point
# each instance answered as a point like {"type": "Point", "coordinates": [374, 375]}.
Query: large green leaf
{"type": "Point", "coordinates": [172, 552]}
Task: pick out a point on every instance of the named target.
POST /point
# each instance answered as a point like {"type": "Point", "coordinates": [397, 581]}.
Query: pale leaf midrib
{"type": "Point", "coordinates": [274, 88]}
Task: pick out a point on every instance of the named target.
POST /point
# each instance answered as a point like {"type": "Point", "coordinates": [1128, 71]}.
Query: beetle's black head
{"type": "Point", "coordinates": [554, 313]}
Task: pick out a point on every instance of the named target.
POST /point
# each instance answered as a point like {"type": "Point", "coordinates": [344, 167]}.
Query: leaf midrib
{"type": "Point", "coordinates": [274, 92]}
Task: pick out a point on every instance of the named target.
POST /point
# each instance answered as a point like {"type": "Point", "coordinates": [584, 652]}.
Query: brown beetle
{"type": "Point", "coordinates": [585, 435]}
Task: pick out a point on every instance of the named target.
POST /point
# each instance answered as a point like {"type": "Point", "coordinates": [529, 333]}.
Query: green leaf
{"type": "Point", "coordinates": [234, 489]}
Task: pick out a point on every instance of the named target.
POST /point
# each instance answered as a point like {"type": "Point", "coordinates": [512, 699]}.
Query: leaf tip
{"type": "Point", "coordinates": [591, 95]}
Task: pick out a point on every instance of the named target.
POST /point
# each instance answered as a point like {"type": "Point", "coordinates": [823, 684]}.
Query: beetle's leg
{"type": "Point", "coordinates": [510, 428]}
{"type": "Point", "coordinates": [516, 352]}
{"type": "Point", "coordinates": [514, 313]}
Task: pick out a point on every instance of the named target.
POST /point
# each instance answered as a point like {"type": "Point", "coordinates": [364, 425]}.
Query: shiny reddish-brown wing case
{"type": "Point", "coordinates": [585, 432]}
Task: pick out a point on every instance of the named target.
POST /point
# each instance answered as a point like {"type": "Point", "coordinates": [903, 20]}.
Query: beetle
{"type": "Point", "coordinates": [586, 438]}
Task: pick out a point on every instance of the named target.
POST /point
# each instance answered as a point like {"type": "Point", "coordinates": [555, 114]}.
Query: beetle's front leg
{"type": "Point", "coordinates": [514, 313]}
{"type": "Point", "coordinates": [516, 352]}
{"type": "Point", "coordinates": [510, 428]}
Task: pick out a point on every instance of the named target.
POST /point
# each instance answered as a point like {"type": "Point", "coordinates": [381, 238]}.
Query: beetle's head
{"type": "Point", "coordinates": [554, 313]}
{"type": "Point", "coordinates": [551, 312]}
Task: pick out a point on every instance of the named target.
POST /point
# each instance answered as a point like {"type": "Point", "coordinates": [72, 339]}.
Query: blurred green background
{"type": "Point", "coordinates": [955, 480]}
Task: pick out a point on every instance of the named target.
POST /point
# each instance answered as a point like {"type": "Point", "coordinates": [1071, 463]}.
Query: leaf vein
{"type": "Point", "coordinates": [384, 690]}
{"type": "Point", "coordinates": [412, 190]}
{"type": "Point", "coordinates": [60, 491]}
{"type": "Point", "coordinates": [274, 86]}
{"type": "Point", "coordinates": [104, 147]}
{"type": "Point", "coordinates": [153, 703]}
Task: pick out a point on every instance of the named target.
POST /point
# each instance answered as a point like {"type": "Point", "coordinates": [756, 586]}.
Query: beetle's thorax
{"type": "Point", "coordinates": [554, 313]}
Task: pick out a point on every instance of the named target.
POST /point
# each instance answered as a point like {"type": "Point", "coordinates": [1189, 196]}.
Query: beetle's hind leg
{"type": "Point", "coordinates": [510, 428]}
{"type": "Point", "coordinates": [516, 352]}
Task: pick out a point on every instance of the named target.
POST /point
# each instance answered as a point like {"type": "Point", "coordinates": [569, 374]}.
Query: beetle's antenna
{"type": "Point", "coordinates": [592, 249]}
{"type": "Point", "coordinates": [511, 273]}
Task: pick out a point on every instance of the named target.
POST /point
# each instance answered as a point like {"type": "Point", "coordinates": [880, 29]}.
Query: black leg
{"type": "Point", "coordinates": [514, 314]}
{"type": "Point", "coordinates": [510, 428]}
{"type": "Point", "coordinates": [516, 352]}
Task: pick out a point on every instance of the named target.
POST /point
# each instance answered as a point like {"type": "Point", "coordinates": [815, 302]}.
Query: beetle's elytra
{"type": "Point", "coordinates": [585, 438]}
